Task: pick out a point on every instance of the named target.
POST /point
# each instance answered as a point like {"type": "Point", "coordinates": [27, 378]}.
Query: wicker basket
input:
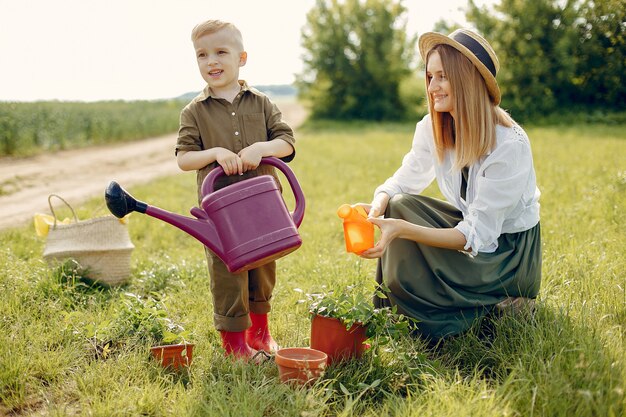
{"type": "Point", "coordinates": [100, 245]}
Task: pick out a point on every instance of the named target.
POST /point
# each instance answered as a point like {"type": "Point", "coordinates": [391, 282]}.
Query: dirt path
{"type": "Point", "coordinates": [77, 175]}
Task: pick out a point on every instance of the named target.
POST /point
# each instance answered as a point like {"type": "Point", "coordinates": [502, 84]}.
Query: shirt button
{"type": "Point", "coordinates": [236, 133]}
{"type": "Point", "coordinates": [233, 113]}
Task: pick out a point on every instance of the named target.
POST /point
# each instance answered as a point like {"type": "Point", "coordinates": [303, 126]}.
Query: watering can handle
{"type": "Point", "coordinates": [298, 213]}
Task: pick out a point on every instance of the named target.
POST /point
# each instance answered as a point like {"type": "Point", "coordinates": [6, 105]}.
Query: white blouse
{"type": "Point", "coordinates": [502, 194]}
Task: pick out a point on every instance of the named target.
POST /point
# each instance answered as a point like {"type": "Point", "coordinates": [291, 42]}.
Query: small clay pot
{"type": "Point", "coordinates": [173, 356]}
{"type": "Point", "coordinates": [299, 365]}
{"type": "Point", "coordinates": [331, 337]}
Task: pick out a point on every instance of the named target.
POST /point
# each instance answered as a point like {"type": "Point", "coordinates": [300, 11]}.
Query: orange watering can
{"type": "Point", "coordinates": [358, 232]}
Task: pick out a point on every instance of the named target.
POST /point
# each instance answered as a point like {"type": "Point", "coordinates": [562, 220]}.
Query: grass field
{"type": "Point", "coordinates": [33, 128]}
{"type": "Point", "coordinates": [569, 360]}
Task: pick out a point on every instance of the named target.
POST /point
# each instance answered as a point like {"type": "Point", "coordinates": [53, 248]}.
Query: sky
{"type": "Point", "coordinates": [90, 50]}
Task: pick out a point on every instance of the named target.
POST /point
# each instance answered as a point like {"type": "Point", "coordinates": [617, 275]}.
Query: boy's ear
{"type": "Point", "coordinates": [243, 58]}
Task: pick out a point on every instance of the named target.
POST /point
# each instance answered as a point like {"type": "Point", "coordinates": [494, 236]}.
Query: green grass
{"type": "Point", "coordinates": [569, 360]}
{"type": "Point", "coordinates": [28, 129]}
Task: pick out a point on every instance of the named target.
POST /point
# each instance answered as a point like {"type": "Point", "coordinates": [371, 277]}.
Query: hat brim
{"type": "Point", "coordinates": [429, 40]}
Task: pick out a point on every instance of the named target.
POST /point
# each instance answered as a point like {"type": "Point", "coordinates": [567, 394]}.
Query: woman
{"type": "Point", "coordinates": [447, 264]}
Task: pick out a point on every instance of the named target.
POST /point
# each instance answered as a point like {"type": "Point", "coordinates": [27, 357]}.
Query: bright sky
{"type": "Point", "coordinates": [140, 49]}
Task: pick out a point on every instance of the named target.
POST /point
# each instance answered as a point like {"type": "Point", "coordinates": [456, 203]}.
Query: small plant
{"type": "Point", "coordinates": [353, 306]}
{"type": "Point", "coordinates": [139, 320]}
{"type": "Point", "coordinates": [146, 319]}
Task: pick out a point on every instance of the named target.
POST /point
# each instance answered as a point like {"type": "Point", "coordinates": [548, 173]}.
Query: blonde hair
{"type": "Point", "coordinates": [211, 26]}
{"type": "Point", "coordinates": [473, 133]}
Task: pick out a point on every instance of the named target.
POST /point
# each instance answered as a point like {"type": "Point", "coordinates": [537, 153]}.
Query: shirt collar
{"type": "Point", "coordinates": [206, 92]}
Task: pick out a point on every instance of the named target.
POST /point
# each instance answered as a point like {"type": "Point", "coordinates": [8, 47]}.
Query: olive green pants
{"type": "Point", "coordinates": [236, 295]}
{"type": "Point", "coordinates": [447, 290]}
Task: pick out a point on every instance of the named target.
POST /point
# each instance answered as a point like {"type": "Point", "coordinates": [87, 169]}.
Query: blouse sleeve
{"type": "Point", "coordinates": [417, 170]}
{"type": "Point", "coordinates": [500, 183]}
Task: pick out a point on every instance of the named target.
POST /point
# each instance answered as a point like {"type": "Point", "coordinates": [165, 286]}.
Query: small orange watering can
{"type": "Point", "coordinates": [358, 232]}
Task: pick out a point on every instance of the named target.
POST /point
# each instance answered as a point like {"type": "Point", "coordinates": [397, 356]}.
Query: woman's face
{"type": "Point", "coordinates": [439, 87]}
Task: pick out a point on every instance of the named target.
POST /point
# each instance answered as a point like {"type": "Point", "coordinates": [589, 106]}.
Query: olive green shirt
{"type": "Point", "coordinates": [208, 122]}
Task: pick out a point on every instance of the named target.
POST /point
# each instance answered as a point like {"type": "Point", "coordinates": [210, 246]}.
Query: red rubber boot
{"type": "Point", "coordinates": [258, 335]}
{"type": "Point", "coordinates": [235, 344]}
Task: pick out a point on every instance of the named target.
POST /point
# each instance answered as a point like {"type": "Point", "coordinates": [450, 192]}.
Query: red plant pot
{"type": "Point", "coordinates": [301, 366]}
{"type": "Point", "coordinates": [331, 337]}
{"type": "Point", "coordinates": [173, 356]}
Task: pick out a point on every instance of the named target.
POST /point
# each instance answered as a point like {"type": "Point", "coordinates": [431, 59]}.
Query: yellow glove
{"type": "Point", "coordinates": [44, 221]}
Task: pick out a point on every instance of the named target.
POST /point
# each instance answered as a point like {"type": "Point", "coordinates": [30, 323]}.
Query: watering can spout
{"type": "Point", "coordinates": [121, 203]}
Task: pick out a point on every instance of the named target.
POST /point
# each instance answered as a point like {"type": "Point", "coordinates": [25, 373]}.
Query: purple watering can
{"type": "Point", "coordinates": [246, 224]}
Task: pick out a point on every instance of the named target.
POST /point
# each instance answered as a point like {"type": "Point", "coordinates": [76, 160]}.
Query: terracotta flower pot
{"type": "Point", "coordinates": [331, 337]}
{"type": "Point", "coordinates": [173, 356]}
{"type": "Point", "coordinates": [300, 365]}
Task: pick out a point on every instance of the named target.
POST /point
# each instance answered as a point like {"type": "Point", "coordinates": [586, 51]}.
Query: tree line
{"type": "Point", "coordinates": [557, 56]}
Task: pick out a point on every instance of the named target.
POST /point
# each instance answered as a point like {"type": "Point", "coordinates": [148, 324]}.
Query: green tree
{"type": "Point", "coordinates": [557, 55]}
{"type": "Point", "coordinates": [357, 53]}
{"type": "Point", "coordinates": [601, 54]}
{"type": "Point", "coordinates": [534, 40]}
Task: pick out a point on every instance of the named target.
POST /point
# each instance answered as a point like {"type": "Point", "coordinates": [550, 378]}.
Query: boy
{"type": "Point", "coordinates": [233, 125]}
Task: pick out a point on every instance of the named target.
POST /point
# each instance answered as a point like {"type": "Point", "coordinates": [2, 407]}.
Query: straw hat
{"type": "Point", "coordinates": [474, 47]}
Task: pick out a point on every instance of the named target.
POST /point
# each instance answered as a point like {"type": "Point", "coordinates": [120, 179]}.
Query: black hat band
{"type": "Point", "coordinates": [477, 49]}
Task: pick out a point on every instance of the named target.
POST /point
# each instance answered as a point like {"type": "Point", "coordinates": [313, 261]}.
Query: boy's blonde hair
{"type": "Point", "coordinates": [212, 26]}
{"type": "Point", "coordinates": [473, 133]}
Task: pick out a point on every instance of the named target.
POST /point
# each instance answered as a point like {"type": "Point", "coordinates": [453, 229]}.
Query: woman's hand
{"type": "Point", "coordinates": [229, 161]}
{"type": "Point", "coordinates": [447, 237]}
{"type": "Point", "coordinates": [378, 205]}
{"type": "Point", "coordinates": [390, 229]}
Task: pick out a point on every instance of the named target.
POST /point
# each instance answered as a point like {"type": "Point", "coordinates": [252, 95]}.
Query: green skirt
{"type": "Point", "coordinates": [447, 290]}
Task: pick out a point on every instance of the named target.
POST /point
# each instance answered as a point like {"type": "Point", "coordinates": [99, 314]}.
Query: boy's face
{"type": "Point", "coordinates": [219, 57]}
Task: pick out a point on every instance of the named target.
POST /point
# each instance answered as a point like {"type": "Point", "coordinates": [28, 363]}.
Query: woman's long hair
{"type": "Point", "coordinates": [473, 133]}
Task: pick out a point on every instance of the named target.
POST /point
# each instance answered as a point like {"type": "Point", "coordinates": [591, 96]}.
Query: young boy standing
{"type": "Point", "coordinates": [234, 126]}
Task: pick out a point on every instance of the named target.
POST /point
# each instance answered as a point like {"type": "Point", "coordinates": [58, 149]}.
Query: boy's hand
{"type": "Point", "coordinates": [251, 156]}
{"type": "Point", "coordinates": [229, 161]}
